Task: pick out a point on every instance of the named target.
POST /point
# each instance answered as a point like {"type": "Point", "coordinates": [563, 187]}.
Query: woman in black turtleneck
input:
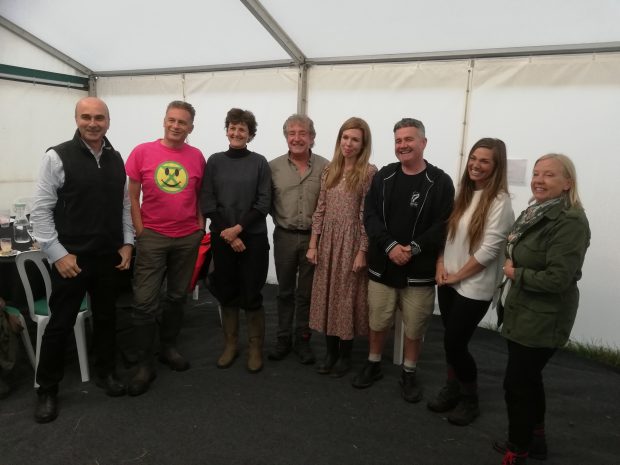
{"type": "Point", "coordinates": [236, 197]}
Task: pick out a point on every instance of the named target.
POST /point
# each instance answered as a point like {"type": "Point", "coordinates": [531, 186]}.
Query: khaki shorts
{"type": "Point", "coordinates": [416, 304]}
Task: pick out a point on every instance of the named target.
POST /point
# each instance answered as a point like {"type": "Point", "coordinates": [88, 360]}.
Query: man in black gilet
{"type": "Point", "coordinates": [83, 224]}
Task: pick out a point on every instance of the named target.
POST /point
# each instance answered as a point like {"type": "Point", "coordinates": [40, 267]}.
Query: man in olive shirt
{"type": "Point", "coordinates": [296, 181]}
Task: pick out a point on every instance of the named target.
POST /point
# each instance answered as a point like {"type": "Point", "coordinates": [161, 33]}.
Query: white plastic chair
{"type": "Point", "coordinates": [40, 312]}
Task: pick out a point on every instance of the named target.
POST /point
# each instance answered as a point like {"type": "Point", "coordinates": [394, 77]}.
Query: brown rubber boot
{"type": "Point", "coordinates": [256, 336]}
{"type": "Point", "coordinates": [230, 325]}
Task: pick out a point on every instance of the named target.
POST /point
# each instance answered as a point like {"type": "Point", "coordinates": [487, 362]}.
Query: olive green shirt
{"type": "Point", "coordinates": [294, 197]}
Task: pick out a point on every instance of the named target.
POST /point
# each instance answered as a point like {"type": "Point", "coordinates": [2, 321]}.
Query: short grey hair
{"type": "Point", "coordinates": [411, 123]}
{"type": "Point", "coordinates": [302, 119]}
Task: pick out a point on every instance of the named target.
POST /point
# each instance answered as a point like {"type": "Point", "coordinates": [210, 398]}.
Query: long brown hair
{"type": "Point", "coordinates": [335, 169]}
{"type": "Point", "coordinates": [496, 184]}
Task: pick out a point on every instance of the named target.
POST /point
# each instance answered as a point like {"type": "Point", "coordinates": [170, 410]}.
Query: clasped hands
{"type": "Point", "coordinates": [400, 254]}
{"type": "Point", "coordinates": [231, 237]}
{"type": "Point", "coordinates": [442, 277]}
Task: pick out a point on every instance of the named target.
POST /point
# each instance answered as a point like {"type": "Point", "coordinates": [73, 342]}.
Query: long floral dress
{"type": "Point", "coordinates": [339, 303]}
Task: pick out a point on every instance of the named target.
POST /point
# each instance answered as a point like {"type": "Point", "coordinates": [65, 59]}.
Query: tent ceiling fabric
{"type": "Point", "coordinates": [129, 35]}
{"type": "Point", "coordinates": [185, 34]}
{"type": "Point", "coordinates": [353, 27]}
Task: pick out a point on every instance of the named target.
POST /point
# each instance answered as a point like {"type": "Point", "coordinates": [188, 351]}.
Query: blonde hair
{"type": "Point", "coordinates": [569, 172]}
{"type": "Point", "coordinates": [335, 169]}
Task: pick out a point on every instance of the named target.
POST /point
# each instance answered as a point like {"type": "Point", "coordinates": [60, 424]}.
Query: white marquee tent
{"type": "Point", "coordinates": [542, 76]}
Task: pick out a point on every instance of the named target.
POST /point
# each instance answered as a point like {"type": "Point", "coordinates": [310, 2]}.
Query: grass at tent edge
{"type": "Point", "coordinates": [593, 350]}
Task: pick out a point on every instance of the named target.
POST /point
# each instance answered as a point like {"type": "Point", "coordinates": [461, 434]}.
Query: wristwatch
{"type": "Point", "coordinates": [415, 248]}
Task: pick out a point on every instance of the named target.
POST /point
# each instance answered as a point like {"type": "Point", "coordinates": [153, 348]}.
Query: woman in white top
{"type": "Point", "coordinates": [469, 270]}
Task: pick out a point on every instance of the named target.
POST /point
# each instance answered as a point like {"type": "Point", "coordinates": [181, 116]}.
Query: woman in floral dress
{"type": "Point", "coordinates": [338, 245]}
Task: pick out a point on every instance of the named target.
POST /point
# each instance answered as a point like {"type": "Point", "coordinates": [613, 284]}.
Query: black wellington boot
{"type": "Point", "coordinates": [343, 365]}
{"type": "Point", "coordinates": [141, 381]}
{"type": "Point", "coordinates": [332, 350]}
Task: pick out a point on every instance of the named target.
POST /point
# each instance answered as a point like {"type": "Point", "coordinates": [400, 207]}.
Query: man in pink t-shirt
{"type": "Point", "coordinates": [169, 226]}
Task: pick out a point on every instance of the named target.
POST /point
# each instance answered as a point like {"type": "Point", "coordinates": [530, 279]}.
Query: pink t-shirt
{"type": "Point", "coordinates": [171, 181]}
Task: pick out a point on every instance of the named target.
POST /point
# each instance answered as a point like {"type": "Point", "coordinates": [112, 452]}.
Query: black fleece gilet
{"type": "Point", "coordinates": [89, 212]}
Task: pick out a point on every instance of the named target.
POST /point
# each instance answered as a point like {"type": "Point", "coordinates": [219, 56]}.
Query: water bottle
{"type": "Point", "coordinates": [21, 224]}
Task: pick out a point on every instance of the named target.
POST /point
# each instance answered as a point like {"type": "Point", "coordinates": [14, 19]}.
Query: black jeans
{"type": "Point", "coordinates": [524, 391]}
{"type": "Point", "coordinates": [101, 280]}
{"type": "Point", "coordinates": [460, 316]}
{"type": "Point", "coordinates": [238, 277]}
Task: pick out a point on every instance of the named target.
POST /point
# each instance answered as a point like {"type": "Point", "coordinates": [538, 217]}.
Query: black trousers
{"type": "Point", "coordinates": [524, 391]}
{"type": "Point", "coordinates": [460, 316]}
{"type": "Point", "coordinates": [101, 280]}
{"type": "Point", "coordinates": [238, 277]}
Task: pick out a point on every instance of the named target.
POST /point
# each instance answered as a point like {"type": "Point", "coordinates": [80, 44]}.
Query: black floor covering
{"type": "Point", "coordinates": [289, 415]}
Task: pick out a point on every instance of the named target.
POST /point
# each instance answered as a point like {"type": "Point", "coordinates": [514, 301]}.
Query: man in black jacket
{"type": "Point", "coordinates": [405, 216]}
{"type": "Point", "coordinates": [82, 221]}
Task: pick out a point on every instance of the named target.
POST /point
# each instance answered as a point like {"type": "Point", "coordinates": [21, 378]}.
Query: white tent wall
{"type": "Point", "coordinates": [33, 117]}
{"type": "Point", "coordinates": [564, 104]}
{"type": "Point", "coordinates": [382, 94]}
{"type": "Point", "coordinates": [137, 106]}
{"type": "Point", "coordinates": [537, 105]}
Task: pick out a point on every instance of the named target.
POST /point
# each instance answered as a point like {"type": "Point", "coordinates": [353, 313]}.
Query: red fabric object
{"type": "Point", "coordinates": [203, 249]}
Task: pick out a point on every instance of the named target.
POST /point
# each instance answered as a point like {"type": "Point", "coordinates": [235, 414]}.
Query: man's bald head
{"type": "Point", "coordinates": [93, 120]}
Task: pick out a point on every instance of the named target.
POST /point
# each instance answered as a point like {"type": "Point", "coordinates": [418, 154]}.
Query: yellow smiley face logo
{"type": "Point", "coordinates": [171, 177]}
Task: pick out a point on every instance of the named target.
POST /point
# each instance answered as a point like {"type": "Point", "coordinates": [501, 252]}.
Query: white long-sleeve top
{"type": "Point", "coordinates": [489, 253]}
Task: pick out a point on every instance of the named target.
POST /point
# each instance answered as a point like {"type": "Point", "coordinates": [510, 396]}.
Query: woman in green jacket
{"type": "Point", "coordinates": [545, 251]}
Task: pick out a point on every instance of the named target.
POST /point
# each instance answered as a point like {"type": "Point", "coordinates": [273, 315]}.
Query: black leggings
{"type": "Point", "coordinates": [525, 391]}
{"type": "Point", "coordinates": [460, 317]}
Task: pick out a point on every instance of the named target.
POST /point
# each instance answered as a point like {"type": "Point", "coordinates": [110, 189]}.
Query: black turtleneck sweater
{"type": "Point", "coordinates": [236, 189]}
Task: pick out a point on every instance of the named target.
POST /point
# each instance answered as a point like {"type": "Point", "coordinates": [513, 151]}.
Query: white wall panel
{"type": "Point", "coordinates": [383, 94]}
{"type": "Point", "coordinates": [137, 107]}
{"type": "Point", "coordinates": [34, 118]}
{"type": "Point", "coordinates": [568, 105]}
{"type": "Point", "coordinates": [270, 94]}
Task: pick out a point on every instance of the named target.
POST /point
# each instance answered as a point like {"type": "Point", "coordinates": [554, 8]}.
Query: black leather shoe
{"type": "Point", "coordinates": [142, 380]}
{"type": "Point", "coordinates": [369, 374]}
{"type": "Point", "coordinates": [341, 368]}
{"type": "Point", "coordinates": [281, 349]}
{"type": "Point", "coordinates": [112, 386]}
{"type": "Point", "coordinates": [410, 389]}
{"type": "Point", "coordinates": [170, 356]}
{"type": "Point", "coordinates": [325, 367]}
{"type": "Point", "coordinates": [46, 409]}
{"type": "Point", "coordinates": [303, 350]}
